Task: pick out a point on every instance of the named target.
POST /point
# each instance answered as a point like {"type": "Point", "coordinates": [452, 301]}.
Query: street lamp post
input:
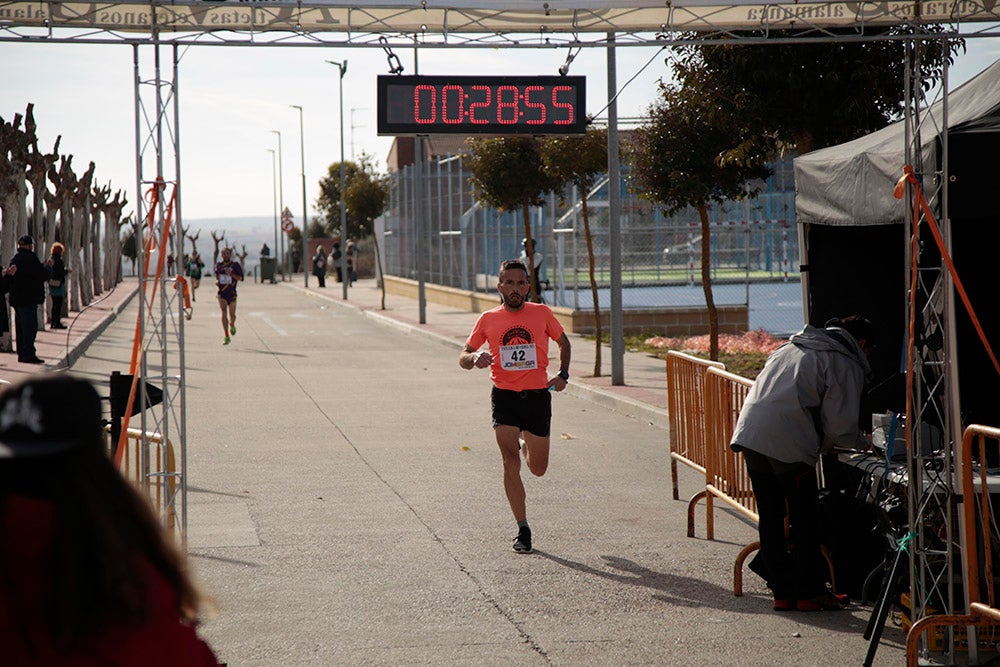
{"type": "Point", "coordinates": [274, 182]}
{"type": "Point", "coordinates": [305, 212]}
{"type": "Point", "coordinates": [281, 206]}
{"type": "Point", "coordinates": [345, 275]}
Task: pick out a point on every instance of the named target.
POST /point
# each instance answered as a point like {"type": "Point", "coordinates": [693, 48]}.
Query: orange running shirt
{"type": "Point", "coordinates": [519, 344]}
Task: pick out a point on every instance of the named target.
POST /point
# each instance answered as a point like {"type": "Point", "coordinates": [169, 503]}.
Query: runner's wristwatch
{"type": "Point", "coordinates": [564, 375]}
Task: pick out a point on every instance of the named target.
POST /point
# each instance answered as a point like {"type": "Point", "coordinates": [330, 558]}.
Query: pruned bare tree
{"type": "Point", "coordinates": [218, 240]}
{"type": "Point", "coordinates": [98, 200]}
{"type": "Point", "coordinates": [193, 240]}
{"type": "Point", "coordinates": [112, 238]}
{"type": "Point", "coordinates": [14, 144]}
{"type": "Point", "coordinates": [80, 239]}
{"type": "Point", "coordinates": [39, 164]}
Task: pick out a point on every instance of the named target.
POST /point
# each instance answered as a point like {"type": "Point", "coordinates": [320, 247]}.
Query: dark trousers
{"type": "Point", "coordinates": [57, 306]}
{"type": "Point", "coordinates": [26, 328]}
{"type": "Point", "coordinates": [793, 566]}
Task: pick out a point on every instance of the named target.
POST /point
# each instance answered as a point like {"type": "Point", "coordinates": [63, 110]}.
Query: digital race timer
{"type": "Point", "coordinates": [481, 105]}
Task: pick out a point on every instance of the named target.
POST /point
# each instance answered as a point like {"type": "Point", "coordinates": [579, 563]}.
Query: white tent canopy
{"type": "Point", "coordinates": [851, 184]}
{"type": "Point", "coordinates": [438, 20]}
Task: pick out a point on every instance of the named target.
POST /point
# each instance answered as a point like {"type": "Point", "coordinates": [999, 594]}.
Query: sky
{"type": "Point", "coordinates": [232, 98]}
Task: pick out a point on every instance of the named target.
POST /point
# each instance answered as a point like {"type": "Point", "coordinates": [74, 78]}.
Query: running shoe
{"type": "Point", "coordinates": [823, 602]}
{"type": "Point", "coordinates": [522, 543]}
{"type": "Point", "coordinates": [232, 329]}
{"type": "Point", "coordinates": [225, 341]}
{"type": "Point", "coordinates": [784, 604]}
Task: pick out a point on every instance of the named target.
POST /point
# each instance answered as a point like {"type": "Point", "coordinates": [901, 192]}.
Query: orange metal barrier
{"type": "Point", "coordinates": [685, 403]}
{"type": "Point", "coordinates": [726, 476]}
{"type": "Point", "coordinates": [159, 484]}
{"type": "Point", "coordinates": [979, 528]}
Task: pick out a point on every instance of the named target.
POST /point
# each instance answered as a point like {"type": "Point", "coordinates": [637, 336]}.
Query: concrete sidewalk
{"type": "Point", "coordinates": [59, 349]}
{"type": "Point", "coordinates": [644, 393]}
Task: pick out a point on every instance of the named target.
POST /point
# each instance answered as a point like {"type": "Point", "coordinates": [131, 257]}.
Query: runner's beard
{"type": "Point", "coordinates": [518, 300]}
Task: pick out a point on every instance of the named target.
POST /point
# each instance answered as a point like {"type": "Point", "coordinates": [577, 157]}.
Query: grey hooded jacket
{"type": "Point", "coordinates": [806, 398]}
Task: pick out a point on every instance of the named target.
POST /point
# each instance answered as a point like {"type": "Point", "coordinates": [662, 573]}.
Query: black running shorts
{"type": "Point", "coordinates": [529, 410]}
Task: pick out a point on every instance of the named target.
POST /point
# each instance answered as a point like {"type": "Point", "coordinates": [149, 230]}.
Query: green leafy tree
{"type": "Point", "coordinates": [811, 95]}
{"type": "Point", "coordinates": [328, 203]}
{"type": "Point", "coordinates": [508, 174]}
{"type": "Point", "coordinates": [317, 229]}
{"type": "Point", "coordinates": [693, 151]}
{"type": "Point", "coordinates": [366, 195]}
{"type": "Point", "coordinates": [579, 161]}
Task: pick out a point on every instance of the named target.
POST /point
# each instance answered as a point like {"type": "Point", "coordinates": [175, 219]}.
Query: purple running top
{"type": "Point", "coordinates": [225, 278]}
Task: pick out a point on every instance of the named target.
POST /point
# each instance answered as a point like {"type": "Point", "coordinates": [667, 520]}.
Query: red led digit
{"type": "Point", "coordinates": [420, 119]}
{"type": "Point", "coordinates": [456, 117]}
{"type": "Point", "coordinates": [540, 120]}
{"type": "Point", "coordinates": [556, 104]}
{"type": "Point", "coordinates": [479, 105]}
{"type": "Point", "coordinates": [511, 105]}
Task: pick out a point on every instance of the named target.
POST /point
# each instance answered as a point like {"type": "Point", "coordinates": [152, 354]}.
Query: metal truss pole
{"type": "Point", "coordinates": [160, 332]}
{"type": "Point", "coordinates": [932, 418]}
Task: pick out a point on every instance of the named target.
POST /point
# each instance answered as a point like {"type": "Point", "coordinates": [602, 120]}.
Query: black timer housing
{"type": "Point", "coordinates": [505, 105]}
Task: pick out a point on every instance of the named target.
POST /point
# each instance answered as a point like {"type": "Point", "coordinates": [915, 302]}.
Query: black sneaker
{"type": "Point", "coordinates": [522, 543]}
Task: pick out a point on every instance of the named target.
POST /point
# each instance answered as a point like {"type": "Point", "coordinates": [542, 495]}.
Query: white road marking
{"type": "Point", "coordinates": [269, 322]}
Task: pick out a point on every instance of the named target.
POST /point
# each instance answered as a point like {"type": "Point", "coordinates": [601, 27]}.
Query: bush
{"type": "Point", "coordinates": [744, 355]}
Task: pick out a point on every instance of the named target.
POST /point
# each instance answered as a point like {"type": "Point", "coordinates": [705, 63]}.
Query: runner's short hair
{"type": "Point", "coordinates": [512, 264]}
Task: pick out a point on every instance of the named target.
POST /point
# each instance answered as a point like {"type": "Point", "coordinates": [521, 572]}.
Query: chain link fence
{"type": "Point", "coordinates": [754, 245]}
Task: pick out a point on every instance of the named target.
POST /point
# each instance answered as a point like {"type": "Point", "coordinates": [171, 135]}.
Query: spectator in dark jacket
{"type": "Point", "coordinates": [27, 277]}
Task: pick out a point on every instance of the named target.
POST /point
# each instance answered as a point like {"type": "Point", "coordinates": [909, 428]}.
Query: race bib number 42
{"type": "Point", "coordinates": [518, 357]}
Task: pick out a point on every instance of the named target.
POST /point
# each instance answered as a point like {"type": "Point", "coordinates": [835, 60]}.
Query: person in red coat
{"type": "Point", "coordinates": [88, 576]}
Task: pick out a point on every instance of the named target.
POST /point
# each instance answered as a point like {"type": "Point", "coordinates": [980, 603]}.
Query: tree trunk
{"type": "Point", "coordinates": [95, 250]}
{"type": "Point", "coordinates": [86, 271]}
{"type": "Point", "coordinates": [598, 329]}
{"type": "Point", "coordinates": [72, 242]}
{"type": "Point", "coordinates": [706, 284]}
{"type": "Point", "coordinates": [531, 254]}
{"type": "Point", "coordinates": [378, 263]}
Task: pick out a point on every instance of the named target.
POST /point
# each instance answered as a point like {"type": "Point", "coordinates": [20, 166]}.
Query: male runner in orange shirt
{"type": "Point", "coordinates": [518, 334]}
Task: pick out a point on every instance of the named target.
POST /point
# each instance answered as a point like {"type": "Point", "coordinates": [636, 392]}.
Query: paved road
{"type": "Point", "coordinates": [346, 508]}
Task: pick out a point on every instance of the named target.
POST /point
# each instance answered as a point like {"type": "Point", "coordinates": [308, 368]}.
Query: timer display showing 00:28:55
{"type": "Point", "coordinates": [500, 105]}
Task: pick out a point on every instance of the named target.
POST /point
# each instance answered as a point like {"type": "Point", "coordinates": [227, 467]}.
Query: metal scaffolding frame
{"type": "Point", "coordinates": [463, 24]}
{"type": "Point", "coordinates": [160, 329]}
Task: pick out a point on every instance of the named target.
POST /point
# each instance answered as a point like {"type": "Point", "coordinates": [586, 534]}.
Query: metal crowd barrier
{"type": "Point", "coordinates": [726, 475]}
{"type": "Point", "coordinates": [685, 404]}
{"type": "Point", "coordinates": [980, 530]}
{"type": "Point", "coordinates": [157, 478]}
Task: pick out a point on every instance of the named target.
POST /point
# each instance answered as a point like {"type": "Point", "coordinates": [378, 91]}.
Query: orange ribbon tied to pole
{"type": "Point", "coordinates": [920, 205]}
{"type": "Point", "coordinates": [180, 282]}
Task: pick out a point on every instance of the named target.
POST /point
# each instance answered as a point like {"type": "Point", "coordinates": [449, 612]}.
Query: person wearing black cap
{"type": "Point", "coordinates": [26, 276]}
{"type": "Point", "coordinates": [87, 574]}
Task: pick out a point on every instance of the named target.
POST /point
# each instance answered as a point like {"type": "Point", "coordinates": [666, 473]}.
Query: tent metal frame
{"type": "Point", "coordinates": [157, 137]}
